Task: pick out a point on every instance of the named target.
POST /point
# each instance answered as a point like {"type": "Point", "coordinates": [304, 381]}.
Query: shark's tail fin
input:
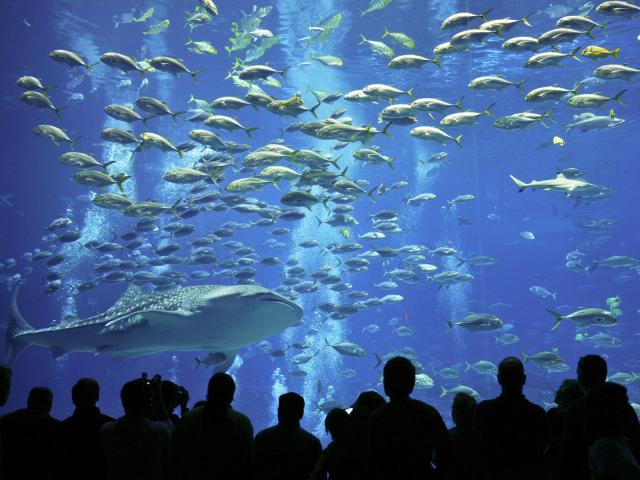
{"type": "Point", "coordinates": [521, 185]}
{"type": "Point", "coordinates": [17, 325]}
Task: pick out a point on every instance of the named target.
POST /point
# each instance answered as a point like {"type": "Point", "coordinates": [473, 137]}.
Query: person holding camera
{"type": "Point", "coordinates": [173, 396]}
{"type": "Point", "coordinates": [136, 447]}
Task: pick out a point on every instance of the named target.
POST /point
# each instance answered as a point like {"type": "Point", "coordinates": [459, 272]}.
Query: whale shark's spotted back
{"type": "Point", "coordinates": [134, 300]}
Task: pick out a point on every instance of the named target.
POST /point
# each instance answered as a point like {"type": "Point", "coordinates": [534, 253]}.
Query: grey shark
{"type": "Point", "coordinates": [560, 183]}
{"type": "Point", "coordinates": [214, 318]}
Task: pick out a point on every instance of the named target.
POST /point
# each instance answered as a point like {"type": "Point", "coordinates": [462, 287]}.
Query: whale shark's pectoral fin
{"type": "Point", "coordinates": [125, 324]}
{"type": "Point", "coordinates": [157, 319]}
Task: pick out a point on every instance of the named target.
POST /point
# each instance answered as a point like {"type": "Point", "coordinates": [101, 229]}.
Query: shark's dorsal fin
{"type": "Point", "coordinates": [131, 293]}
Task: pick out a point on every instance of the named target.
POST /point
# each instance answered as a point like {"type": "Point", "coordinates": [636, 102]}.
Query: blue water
{"type": "Point", "coordinates": [38, 189]}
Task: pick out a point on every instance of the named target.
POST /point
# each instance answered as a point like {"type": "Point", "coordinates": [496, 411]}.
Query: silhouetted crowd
{"type": "Point", "coordinates": [592, 434]}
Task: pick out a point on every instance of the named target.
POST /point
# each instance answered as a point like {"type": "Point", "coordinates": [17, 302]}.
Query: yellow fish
{"type": "Point", "coordinates": [158, 28]}
{"type": "Point", "coordinates": [594, 52]}
{"type": "Point", "coordinates": [612, 113]}
{"type": "Point", "coordinates": [558, 141]}
{"type": "Point", "coordinates": [345, 233]}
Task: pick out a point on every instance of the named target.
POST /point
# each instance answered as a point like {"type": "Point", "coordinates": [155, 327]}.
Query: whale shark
{"type": "Point", "coordinates": [215, 318]}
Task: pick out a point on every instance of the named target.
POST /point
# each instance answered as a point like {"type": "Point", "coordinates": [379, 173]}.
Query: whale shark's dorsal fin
{"type": "Point", "coordinates": [132, 293]}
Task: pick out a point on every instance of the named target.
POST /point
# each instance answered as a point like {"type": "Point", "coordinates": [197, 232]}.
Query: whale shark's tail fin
{"type": "Point", "coordinates": [16, 326]}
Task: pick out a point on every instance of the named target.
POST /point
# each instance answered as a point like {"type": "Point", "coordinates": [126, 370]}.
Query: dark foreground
{"type": "Point", "coordinates": [593, 433]}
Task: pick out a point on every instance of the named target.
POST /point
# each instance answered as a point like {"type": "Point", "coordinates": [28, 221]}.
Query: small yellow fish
{"type": "Point", "coordinates": [612, 113]}
{"type": "Point", "coordinates": [158, 28]}
{"type": "Point", "coordinates": [594, 52]}
{"type": "Point", "coordinates": [345, 233]}
{"type": "Point", "coordinates": [144, 17]}
{"type": "Point", "coordinates": [558, 141]}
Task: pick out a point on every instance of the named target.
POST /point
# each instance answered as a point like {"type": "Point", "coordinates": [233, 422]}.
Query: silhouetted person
{"type": "Point", "coordinates": [5, 384]}
{"type": "Point", "coordinates": [174, 396]}
{"type": "Point", "coordinates": [336, 461]}
{"type": "Point", "coordinates": [135, 447]}
{"type": "Point", "coordinates": [576, 440]}
{"type": "Point", "coordinates": [80, 446]}
{"type": "Point", "coordinates": [366, 403]}
{"type": "Point", "coordinates": [80, 449]}
{"type": "Point", "coordinates": [464, 444]}
{"type": "Point", "coordinates": [213, 441]}
{"type": "Point", "coordinates": [610, 452]}
{"type": "Point", "coordinates": [405, 433]}
{"type": "Point", "coordinates": [5, 387]}
{"type": "Point", "coordinates": [511, 432]}
{"type": "Point", "coordinates": [286, 451]}
{"type": "Point", "coordinates": [567, 393]}
{"type": "Point", "coordinates": [28, 438]}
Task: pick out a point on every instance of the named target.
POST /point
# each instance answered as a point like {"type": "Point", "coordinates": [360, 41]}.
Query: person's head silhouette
{"type": "Point", "coordinates": [399, 378]}
{"type": "Point", "coordinates": [290, 408]}
{"type": "Point", "coordinates": [369, 400]}
{"type": "Point", "coordinates": [568, 391]}
{"type": "Point", "coordinates": [592, 371]}
{"type": "Point", "coordinates": [169, 392]}
{"type": "Point", "coordinates": [136, 397]}
{"type": "Point", "coordinates": [511, 376]}
{"type": "Point", "coordinates": [221, 389]}
{"type": "Point", "coordinates": [85, 393]}
{"type": "Point", "coordinates": [462, 409]}
{"type": "Point", "coordinates": [40, 400]}
{"type": "Point", "coordinates": [336, 423]}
